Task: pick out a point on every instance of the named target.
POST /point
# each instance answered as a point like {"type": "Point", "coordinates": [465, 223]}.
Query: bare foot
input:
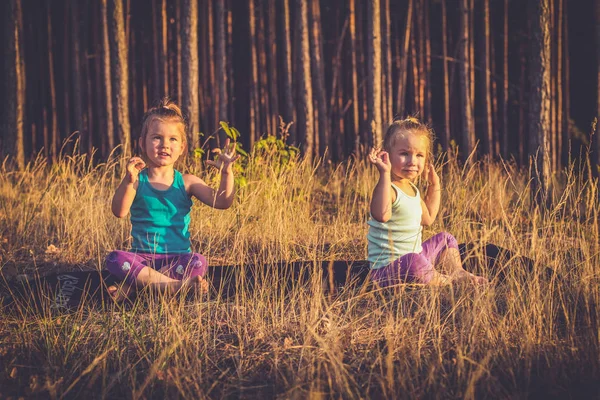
{"type": "Point", "coordinates": [120, 292]}
{"type": "Point", "coordinates": [196, 283]}
{"type": "Point", "coordinates": [465, 276]}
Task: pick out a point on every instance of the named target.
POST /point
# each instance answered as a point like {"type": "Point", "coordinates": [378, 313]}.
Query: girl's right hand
{"type": "Point", "coordinates": [134, 166]}
{"type": "Point", "coordinates": [381, 159]}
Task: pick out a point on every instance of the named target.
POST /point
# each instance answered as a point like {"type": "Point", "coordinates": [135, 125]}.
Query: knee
{"type": "Point", "coordinates": [450, 240]}
{"type": "Point", "coordinates": [418, 268]}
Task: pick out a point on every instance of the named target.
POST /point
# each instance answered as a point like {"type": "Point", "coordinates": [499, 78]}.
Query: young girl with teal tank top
{"type": "Point", "coordinates": [158, 199]}
{"type": "Point", "coordinates": [396, 251]}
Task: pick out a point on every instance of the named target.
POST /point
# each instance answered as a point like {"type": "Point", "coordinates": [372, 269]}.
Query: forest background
{"type": "Point", "coordinates": [506, 76]}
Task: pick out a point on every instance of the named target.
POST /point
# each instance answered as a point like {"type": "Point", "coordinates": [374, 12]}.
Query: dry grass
{"type": "Point", "coordinates": [527, 337]}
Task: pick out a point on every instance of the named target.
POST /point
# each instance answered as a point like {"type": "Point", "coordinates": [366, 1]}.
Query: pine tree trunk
{"type": "Point", "coordinates": [505, 99]}
{"type": "Point", "coordinates": [465, 86]}
{"type": "Point", "coordinates": [163, 62]}
{"type": "Point", "coordinates": [446, 134]}
{"type": "Point", "coordinates": [306, 113]}
{"type": "Point", "coordinates": [118, 56]}
{"type": "Point", "coordinates": [539, 96]}
{"type": "Point", "coordinates": [254, 103]}
{"type": "Point", "coordinates": [272, 60]}
{"type": "Point", "coordinates": [488, 139]}
{"type": "Point", "coordinates": [289, 112]}
{"type": "Point", "coordinates": [322, 135]}
{"type": "Point", "coordinates": [354, 78]}
{"type": "Point", "coordinates": [566, 135]}
{"type": "Point", "coordinates": [221, 63]}
{"type": "Point", "coordinates": [403, 67]}
{"type": "Point", "coordinates": [14, 89]}
{"type": "Point", "coordinates": [77, 78]}
{"type": "Point", "coordinates": [596, 148]}
{"type": "Point", "coordinates": [374, 76]}
{"type": "Point", "coordinates": [559, 86]}
{"type": "Point", "coordinates": [54, 137]}
{"type": "Point", "coordinates": [265, 109]}
{"type": "Point", "coordinates": [190, 70]}
{"type": "Point", "coordinates": [428, 114]}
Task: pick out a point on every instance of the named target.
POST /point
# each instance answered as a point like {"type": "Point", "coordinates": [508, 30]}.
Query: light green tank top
{"type": "Point", "coordinates": [401, 235]}
{"type": "Point", "coordinates": [160, 218]}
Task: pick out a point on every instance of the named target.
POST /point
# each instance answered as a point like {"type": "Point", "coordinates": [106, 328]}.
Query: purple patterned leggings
{"type": "Point", "coordinates": [127, 265]}
{"type": "Point", "coordinates": [415, 267]}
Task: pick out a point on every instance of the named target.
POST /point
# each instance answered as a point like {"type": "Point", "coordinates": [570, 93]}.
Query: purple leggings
{"type": "Point", "coordinates": [415, 267]}
{"type": "Point", "coordinates": [127, 265]}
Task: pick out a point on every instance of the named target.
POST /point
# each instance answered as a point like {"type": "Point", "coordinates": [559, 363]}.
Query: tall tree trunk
{"type": "Point", "coordinates": [559, 85]}
{"type": "Point", "coordinates": [54, 136]}
{"type": "Point", "coordinates": [289, 111]}
{"type": "Point", "coordinates": [354, 78]}
{"type": "Point", "coordinates": [374, 77]}
{"type": "Point", "coordinates": [265, 110]}
{"type": "Point", "coordinates": [486, 87]}
{"type": "Point", "coordinates": [306, 113]}
{"type": "Point", "coordinates": [446, 134]}
{"type": "Point", "coordinates": [539, 96]}
{"type": "Point", "coordinates": [77, 78]}
{"type": "Point", "coordinates": [566, 135]}
{"type": "Point", "coordinates": [14, 89]}
{"type": "Point", "coordinates": [164, 61]}
{"type": "Point", "coordinates": [428, 83]}
{"type": "Point", "coordinates": [596, 148]}
{"type": "Point", "coordinates": [230, 78]}
{"type": "Point", "coordinates": [272, 59]}
{"type": "Point", "coordinates": [465, 77]}
{"type": "Point", "coordinates": [190, 70]}
{"type": "Point", "coordinates": [221, 64]}
{"type": "Point", "coordinates": [505, 99]}
{"type": "Point", "coordinates": [118, 56]}
{"type": "Point", "coordinates": [403, 64]}
{"type": "Point", "coordinates": [214, 116]}
{"type": "Point", "coordinates": [254, 102]}
{"type": "Point", "coordinates": [322, 136]}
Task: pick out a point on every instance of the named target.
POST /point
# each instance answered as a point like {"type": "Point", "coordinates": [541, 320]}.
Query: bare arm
{"type": "Point", "coordinates": [223, 197]}
{"type": "Point", "coordinates": [381, 202]}
{"type": "Point", "coordinates": [125, 193]}
{"type": "Point", "coordinates": [431, 203]}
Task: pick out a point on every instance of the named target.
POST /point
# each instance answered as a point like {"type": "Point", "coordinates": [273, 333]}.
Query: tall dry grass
{"type": "Point", "coordinates": [531, 335]}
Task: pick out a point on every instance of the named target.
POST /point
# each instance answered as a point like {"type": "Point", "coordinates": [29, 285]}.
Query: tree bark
{"type": "Point", "coordinates": [465, 86]}
{"type": "Point", "coordinates": [505, 99]}
{"type": "Point", "coordinates": [190, 70]}
{"type": "Point", "coordinates": [272, 60]}
{"type": "Point", "coordinates": [355, 135]}
{"type": "Point", "coordinates": [539, 97]}
{"type": "Point", "coordinates": [54, 137]}
{"type": "Point", "coordinates": [254, 101]}
{"type": "Point", "coordinates": [374, 76]}
{"type": "Point", "coordinates": [289, 112]}
{"type": "Point", "coordinates": [306, 113]}
{"type": "Point", "coordinates": [322, 136]}
{"type": "Point", "coordinates": [401, 95]}
{"type": "Point", "coordinates": [486, 87]}
{"type": "Point", "coordinates": [119, 68]}
{"type": "Point", "coordinates": [14, 89]}
{"type": "Point", "coordinates": [221, 65]}
{"type": "Point", "coordinates": [446, 97]}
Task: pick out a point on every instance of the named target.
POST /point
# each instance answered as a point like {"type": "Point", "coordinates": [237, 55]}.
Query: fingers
{"type": "Point", "coordinates": [136, 162]}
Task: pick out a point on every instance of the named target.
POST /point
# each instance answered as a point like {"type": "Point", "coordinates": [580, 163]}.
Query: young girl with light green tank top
{"type": "Point", "coordinates": [158, 198]}
{"type": "Point", "coordinates": [396, 251]}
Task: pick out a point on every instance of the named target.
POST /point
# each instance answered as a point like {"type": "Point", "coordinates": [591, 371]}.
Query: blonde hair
{"type": "Point", "coordinates": [165, 110]}
{"type": "Point", "coordinates": [400, 127]}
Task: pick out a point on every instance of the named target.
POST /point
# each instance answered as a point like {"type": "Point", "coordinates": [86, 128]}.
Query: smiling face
{"type": "Point", "coordinates": [163, 142]}
{"type": "Point", "coordinates": [408, 155]}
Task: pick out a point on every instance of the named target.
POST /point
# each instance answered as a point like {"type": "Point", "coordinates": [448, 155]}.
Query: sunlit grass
{"type": "Point", "coordinates": [529, 335]}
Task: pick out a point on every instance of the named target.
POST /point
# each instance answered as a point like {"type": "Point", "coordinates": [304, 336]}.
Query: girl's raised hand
{"type": "Point", "coordinates": [227, 157]}
{"type": "Point", "coordinates": [381, 159]}
{"type": "Point", "coordinates": [432, 176]}
{"type": "Point", "coordinates": [134, 166]}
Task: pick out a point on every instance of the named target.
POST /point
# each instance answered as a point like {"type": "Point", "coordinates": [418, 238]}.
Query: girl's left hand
{"type": "Point", "coordinates": [227, 157]}
{"type": "Point", "coordinates": [432, 176]}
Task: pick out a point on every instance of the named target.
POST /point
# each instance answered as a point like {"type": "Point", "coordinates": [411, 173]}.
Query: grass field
{"type": "Point", "coordinates": [530, 336]}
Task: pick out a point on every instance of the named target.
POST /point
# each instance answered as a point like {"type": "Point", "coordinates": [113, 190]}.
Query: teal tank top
{"type": "Point", "coordinates": [401, 235]}
{"type": "Point", "coordinates": [160, 218]}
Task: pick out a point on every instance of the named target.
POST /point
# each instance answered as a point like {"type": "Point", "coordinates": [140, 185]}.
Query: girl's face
{"type": "Point", "coordinates": [408, 155]}
{"type": "Point", "coordinates": [163, 143]}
